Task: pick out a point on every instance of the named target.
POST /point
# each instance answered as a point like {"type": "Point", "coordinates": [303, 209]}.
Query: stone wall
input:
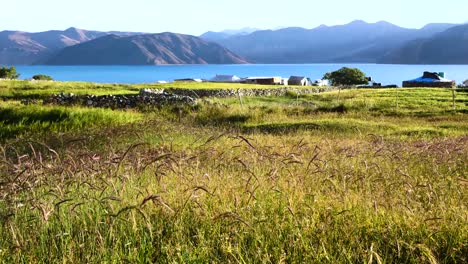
{"type": "Point", "coordinates": [222, 93]}
{"type": "Point", "coordinates": [149, 97]}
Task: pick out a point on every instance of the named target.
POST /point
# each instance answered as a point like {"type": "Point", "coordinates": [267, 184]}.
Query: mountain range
{"type": "Point", "coordinates": [145, 49]}
{"type": "Point", "coordinates": [81, 47]}
{"type": "Point", "coordinates": [228, 33]}
{"type": "Point", "coordinates": [448, 46]}
{"type": "Point", "coordinates": [356, 42]}
{"type": "Point", "coordinates": [17, 47]}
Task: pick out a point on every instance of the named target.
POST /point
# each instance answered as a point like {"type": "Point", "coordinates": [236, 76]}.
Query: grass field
{"type": "Point", "coordinates": [373, 176]}
{"type": "Point", "coordinates": [19, 89]}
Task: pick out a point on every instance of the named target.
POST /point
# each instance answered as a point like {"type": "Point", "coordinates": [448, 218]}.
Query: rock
{"type": "Point", "coordinates": [172, 96]}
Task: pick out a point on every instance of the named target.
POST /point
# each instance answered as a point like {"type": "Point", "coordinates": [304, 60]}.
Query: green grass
{"type": "Point", "coordinates": [43, 89]}
{"type": "Point", "coordinates": [341, 177]}
{"type": "Point", "coordinates": [17, 119]}
{"type": "Point", "coordinates": [267, 199]}
{"type": "Point", "coordinates": [214, 86]}
{"type": "Point", "coordinates": [16, 89]}
{"type": "Point", "coordinates": [422, 113]}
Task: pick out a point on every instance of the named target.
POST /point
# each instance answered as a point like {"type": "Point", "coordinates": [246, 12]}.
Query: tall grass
{"type": "Point", "coordinates": [16, 119]}
{"type": "Point", "coordinates": [14, 89]}
{"type": "Point", "coordinates": [238, 199]}
{"type": "Point", "coordinates": [295, 179]}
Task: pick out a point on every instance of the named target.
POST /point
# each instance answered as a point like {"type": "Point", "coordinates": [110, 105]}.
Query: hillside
{"type": "Point", "coordinates": [146, 49]}
{"type": "Point", "coordinates": [448, 47]}
{"type": "Point", "coordinates": [18, 47]}
{"type": "Point", "coordinates": [357, 41]}
{"type": "Point", "coordinates": [217, 36]}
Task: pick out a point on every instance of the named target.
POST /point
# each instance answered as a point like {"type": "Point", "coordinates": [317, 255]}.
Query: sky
{"type": "Point", "coordinates": [198, 16]}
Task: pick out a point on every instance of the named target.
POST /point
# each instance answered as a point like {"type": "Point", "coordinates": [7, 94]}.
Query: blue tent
{"type": "Point", "coordinates": [429, 79]}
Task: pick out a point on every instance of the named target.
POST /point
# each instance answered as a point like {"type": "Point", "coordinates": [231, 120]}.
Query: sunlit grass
{"type": "Point", "coordinates": [17, 119]}
{"type": "Point", "coordinates": [42, 89]}
{"type": "Point", "coordinates": [16, 89]}
{"type": "Point", "coordinates": [230, 198]}
{"type": "Point", "coordinates": [341, 177]}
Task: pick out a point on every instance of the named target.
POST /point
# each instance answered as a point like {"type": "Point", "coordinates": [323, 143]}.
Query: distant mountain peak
{"type": "Point", "coordinates": [71, 29]}
{"type": "Point", "coordinates": [20, 48]}
{"type": "Point", "coordinates": [383, 22]}
{"type": "Point", "coordinates": [216, 36]}
{"type": "Point", "coordinates": [447, 47]}
{"type": "Point", "coordinates": [146, 49]}
{"type": "Point", "coordinates": [432, 26]}
{"type": "Point", "coordinates": [358, 22]}
{"type": "Point", "coordinates": [244, 30]}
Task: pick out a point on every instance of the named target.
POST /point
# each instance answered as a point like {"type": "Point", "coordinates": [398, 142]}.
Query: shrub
{"type": "Point", "coordinates": [42, 77]}
{"type": "Point", "coordinates": [8, 73]}
{"type": "Point", "coordinates": [346, 76]}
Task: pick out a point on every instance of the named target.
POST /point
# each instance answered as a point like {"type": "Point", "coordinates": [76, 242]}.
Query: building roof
{"type": "Point", "coordinates": [296, 78]}
{"type": "Point", "coordinates": [225, 78]}
{"type": "Point", "coordinates": [430, 77]}
{"type": "Point", "coordinates": [262, 78]}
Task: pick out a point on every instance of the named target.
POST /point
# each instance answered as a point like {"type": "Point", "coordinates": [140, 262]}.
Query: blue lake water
{"type": "Point", "coordinates": [383, 73]}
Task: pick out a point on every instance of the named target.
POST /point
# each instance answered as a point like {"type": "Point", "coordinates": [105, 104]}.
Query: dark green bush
{"type": "Point", "coordinates": [42, 77]}
{"type": "Point", "coordinates": [346, 76]}
{"type": "Point", "coordinates": [8, 73]}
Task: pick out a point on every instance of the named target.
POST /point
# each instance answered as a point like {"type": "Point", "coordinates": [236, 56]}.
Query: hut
{"type": "Point", "coordinates": [299, 80]}
{"type": "Point", "coordinates": [226, 79]}
{"type": "Point", "coordinates": [430, 79]}
{"type": "Point", "coordinates": [321, 82]}
{"type": "Point", "coordinates": [264, 80]}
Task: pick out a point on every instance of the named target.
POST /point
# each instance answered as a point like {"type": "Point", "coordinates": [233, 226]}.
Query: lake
{"type": "Point", "coordinates": [383, 73]}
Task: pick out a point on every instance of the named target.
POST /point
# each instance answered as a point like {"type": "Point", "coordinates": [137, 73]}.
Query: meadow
{"type": "Point", "coordinates": [24, 89]}
{"type": "Point", "coordinates": [351, 176]}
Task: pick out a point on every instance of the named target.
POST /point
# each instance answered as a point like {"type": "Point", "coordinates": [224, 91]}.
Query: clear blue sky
{"type": "Point", "coordinates": [197, 16]}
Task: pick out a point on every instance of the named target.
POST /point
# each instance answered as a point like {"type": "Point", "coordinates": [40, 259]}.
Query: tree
{"type": "Point", "coordinates": [8, 73]}
{"type": "Point", "coordinates": [346, 76]}
{"type": "Point", "coordinates": [42, 77]}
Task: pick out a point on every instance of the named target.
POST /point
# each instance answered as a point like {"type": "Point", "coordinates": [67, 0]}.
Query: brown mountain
{"type": "Point", "coordinates": [145, 49]}
{"type": "Point", "coordinates": [17, 47]}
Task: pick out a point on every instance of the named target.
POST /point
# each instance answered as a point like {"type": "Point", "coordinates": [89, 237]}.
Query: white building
{"type": "Point", "coordinates": [226, 79]}
{"type": "Point", "coordinates": [264, 80]}
{"type": "Point", "coordinates": [320, 82]}
{"type": "Point", "coordinates": [299, 80]}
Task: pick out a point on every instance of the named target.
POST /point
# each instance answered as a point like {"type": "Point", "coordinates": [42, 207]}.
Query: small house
{"type": "Point", "coordinates": [299, 80]}
{"type": "Point", "coordinates": [264, 80]}
{"type": "Point", "coordinates": [465, 83]}
{"type": "Point", "coordinates": [430, 79]}
{"type": "Point", "coordinates": [226, 79]}
{"type": "Point", "coordinates": [321, 82]}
